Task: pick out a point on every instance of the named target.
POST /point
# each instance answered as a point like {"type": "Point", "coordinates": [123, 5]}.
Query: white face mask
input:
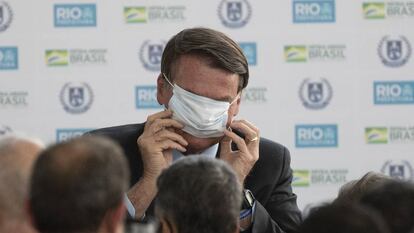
{"type": "Point", "coordinates": [202, 117]}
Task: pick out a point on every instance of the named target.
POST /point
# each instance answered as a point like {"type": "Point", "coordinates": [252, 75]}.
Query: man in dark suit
{"type": "Point", "coordinates": [202, 75]}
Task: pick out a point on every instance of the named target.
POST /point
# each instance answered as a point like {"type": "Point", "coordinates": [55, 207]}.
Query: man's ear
{"type": "Point", "coordinates": [114, 219]}
{"type": "Point", "coordinates": [163, 91]}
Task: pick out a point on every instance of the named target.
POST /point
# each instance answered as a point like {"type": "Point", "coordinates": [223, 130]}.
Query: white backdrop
{"type": "Point", "coordinates": [67, 67]}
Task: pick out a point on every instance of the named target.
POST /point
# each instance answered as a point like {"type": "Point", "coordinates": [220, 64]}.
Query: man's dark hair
{"type": "Point", "coordinates": [355, 189]}
{"type": "Point", "coordinates": [199, 195]}
{"type": "Point", "coordinates": [343, 218]}
{"type": "Point", "coordinates": [218, 49]}
{"type": "Point", "coordinates": [75, 183]}
{"type": "Point", "coordinates": [395, 201]}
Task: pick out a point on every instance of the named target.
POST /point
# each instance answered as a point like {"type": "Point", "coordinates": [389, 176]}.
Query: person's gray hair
{"type": "Point", "coordinates": [199, 194]}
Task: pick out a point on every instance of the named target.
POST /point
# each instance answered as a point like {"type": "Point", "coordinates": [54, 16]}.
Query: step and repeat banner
{"type": "Point", "coordinates": [333, 80]}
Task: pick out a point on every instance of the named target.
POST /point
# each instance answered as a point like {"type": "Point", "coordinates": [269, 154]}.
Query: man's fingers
{"type": "Point", "coordinates": [241, 144]}
{"type": "Point", "coordinates": [166, 134]}
{"type": "Point", "coordinates": [170, 144]}
{"type": "Point", "coordinates": [225, 145]}
{"type": "Point", "coordinates": [160, 124]}
{"type": "Point", "coordinates": [249, 133]}
{"type": "Point", "coordinates": [250, 125]}
{"type": "Point", "coordinates": [159, 115]}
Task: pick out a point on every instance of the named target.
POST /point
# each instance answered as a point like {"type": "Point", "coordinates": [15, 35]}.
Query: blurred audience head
{"type": "Point", "coordinates": [343, 218]}
{"type": "Point", "coordinates": [17, 155]}
{"type": "Point", "coordinates": [198, 194]}
{"type": "Point", "coordinates": [395, 202]}
{"type": "Point", "coordinates": [355, 189]}
{"type": "Point", "coordinates": [78, 186]}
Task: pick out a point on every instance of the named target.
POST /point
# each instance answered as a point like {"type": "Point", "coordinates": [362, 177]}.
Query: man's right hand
{"type": "Point", "coordinates": [157, 142]}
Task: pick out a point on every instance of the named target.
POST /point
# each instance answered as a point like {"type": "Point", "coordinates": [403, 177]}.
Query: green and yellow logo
{"type": "Point", "coordinates": [57, 57]}
{"type": "Point", "coordinates": [376, 135]}
{"type": "Point", "coordinates": [301, 178]}
{"type": "Point", "coordinates": [135, 14]}
{"type": "Point", "coordinates": [296, 53]}
{"type": "Point", "coordinates": [374, 10]}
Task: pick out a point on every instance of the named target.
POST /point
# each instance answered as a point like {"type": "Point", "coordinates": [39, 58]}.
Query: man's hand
{"type": "Point", "coordinates": [155, 144]}
{"type": "Point", "coordinates": [247, 154]}
{"type": "Point", "coordinates": [157, 141]}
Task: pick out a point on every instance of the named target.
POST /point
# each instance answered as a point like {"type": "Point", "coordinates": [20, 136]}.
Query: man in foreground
{"type": "Point", "coordinates": [203, 73]}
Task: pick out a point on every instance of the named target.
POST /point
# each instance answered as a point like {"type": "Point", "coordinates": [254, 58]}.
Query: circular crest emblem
{"type": "Point", "coordinates": [234, 13]}
{"type": "Point", "coordinates": [315, 94]}
{"type": "Point", "coordinates": [401, 170]}
{"type": "Point", "coordinates": [150, 54]}
{"type": "Point", "coordinates": [394, 52]}
{"type": "Point", "coordinates": [76, 98]}
{"type": "Point", "coordinates": [6, 16]}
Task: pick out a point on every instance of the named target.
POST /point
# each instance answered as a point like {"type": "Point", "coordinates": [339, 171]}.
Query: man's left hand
{"type": "Point", "coordinates": [243, 159]}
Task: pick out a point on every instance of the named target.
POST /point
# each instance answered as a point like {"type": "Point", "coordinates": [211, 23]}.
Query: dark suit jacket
{"type": "Point", "coordinates": [269, 180]}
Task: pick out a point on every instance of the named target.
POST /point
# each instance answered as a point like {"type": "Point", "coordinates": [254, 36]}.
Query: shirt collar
{"type": "Point", "coordinates": [208, 153]}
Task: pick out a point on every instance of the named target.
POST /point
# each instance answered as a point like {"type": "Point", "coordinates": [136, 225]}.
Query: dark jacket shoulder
{"type": "Point", "coordinates": [120, 133]}
{"type": "Point", "coordinates": [271, 169]}
{"type": "Point", "coordinates": [126, 136]}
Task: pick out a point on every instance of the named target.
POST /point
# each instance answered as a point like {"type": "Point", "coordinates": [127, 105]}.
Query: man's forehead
{"type": "Point", "coordinates": [196, 75]}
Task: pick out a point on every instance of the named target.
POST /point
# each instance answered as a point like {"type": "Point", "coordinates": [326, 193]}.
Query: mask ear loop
{"type": "Point", "coordinates": [232, 102]}
{"type": "Point", "coordinates": [166, 79]}
{"type": "Point", "coordinates": [235, 99]}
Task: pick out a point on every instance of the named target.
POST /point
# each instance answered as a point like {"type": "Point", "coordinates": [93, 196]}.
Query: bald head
{"type": "Point", "coordinates": [77, 184]}
{"type": "Point", "coordinates": [17, 155]}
